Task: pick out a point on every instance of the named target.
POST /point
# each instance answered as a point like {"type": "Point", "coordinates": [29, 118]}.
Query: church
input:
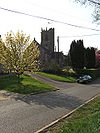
{"type": "Point", "coordinates": [48, 54]}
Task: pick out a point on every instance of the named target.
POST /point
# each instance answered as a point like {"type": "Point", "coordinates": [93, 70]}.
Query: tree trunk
{"type": "Point", "coordinates": [18, 78]}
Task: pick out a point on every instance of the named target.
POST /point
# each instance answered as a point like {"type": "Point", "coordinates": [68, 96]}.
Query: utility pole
{"type": "Point", "coordinates": [58, 47]}
{"type": "Point", "coordinates": [58, 43]}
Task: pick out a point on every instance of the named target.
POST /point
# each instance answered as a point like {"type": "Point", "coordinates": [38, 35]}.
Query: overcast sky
{"type": "Point", "coordinates": [65, 11]}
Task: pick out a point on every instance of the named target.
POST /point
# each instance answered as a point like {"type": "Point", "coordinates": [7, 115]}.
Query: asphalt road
{"type": "Point", "coordinates": [27, 114]}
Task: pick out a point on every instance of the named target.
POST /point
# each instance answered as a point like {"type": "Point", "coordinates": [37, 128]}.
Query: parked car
{"type": "Point", "coordinates": [84, 79]}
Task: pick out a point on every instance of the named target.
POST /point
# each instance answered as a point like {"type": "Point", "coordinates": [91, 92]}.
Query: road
{"type": "Point", "coordinates": [28, 113]}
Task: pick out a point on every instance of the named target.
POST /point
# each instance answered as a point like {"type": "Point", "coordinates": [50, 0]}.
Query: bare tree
{"type": "Point", "coordinates": [95, 4]}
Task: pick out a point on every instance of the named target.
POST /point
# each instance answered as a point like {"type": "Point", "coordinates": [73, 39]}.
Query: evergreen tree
{"type": "Point", "coordinates": [77, 54]}
{"type": "Point", "coordinates": [90, 57]}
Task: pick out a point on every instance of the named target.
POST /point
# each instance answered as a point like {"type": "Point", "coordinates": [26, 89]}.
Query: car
{"type": "Point", "coordinates": [84, 79]}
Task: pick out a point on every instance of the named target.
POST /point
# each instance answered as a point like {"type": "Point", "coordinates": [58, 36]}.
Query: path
{"type": "Point", "coordinates": [28, 113]}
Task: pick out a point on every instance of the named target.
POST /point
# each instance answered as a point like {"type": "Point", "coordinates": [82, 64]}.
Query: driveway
{"type": "Point", "coordinates": [29, 113]}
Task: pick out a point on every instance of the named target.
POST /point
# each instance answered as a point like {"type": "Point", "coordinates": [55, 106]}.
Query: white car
{"type": "Point", "coordinates": [84, 79]}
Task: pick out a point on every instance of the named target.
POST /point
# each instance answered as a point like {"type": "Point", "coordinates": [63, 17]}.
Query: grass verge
{"type": "Point", "coordinates": [27, 85]}
{"type": "Point", "coordinates": [84, 120]}
{"type": "Point", "coordinates": [64, 78]}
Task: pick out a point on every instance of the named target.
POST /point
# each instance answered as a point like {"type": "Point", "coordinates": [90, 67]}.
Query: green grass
{"type": "Point", "coordinates": [27, 85]}
{"type": "Point", "coordinates": [64, 78]}
{"type": "Point", "coordinates": [84, 120]}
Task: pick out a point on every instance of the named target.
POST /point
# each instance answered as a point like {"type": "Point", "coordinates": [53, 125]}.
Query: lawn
{"type": "Point", "coordinates": [64, 78]}
{"type": "Point", "coordinates": [84, 120]}
{"type": "Point", "coordinates": [27, 85]}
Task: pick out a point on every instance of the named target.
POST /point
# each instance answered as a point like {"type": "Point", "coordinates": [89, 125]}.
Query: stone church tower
{"type": "Point", "coordinates": [49, 58]}
{"type": "Point", "coordinates": [47, 39]}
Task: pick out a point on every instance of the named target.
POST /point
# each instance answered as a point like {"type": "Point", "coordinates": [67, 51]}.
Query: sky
{"type": "Point", "coordinates": [60, 15]}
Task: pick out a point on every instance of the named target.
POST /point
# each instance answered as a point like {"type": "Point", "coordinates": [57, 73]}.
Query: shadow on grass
{"type": "Point", "coordinates": [27, 85]}
{"type": "Point", "coordinates": [7, 83]}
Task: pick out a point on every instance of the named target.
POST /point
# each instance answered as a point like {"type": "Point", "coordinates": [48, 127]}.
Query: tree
{"type": "Point", "coordinates": [95, 4]}
{"type": "Point", "coordinates": [76, 53]}
{"type": "Point", "coordinates": [90, 57]}
{"type": "Point", "coordinates": [18, 53]}
{"type": "Point", "coordinates": [97, 54]}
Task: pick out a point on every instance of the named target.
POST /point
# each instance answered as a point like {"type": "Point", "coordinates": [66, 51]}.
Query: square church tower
{"type": "Point", "coordinates": [47, 39]}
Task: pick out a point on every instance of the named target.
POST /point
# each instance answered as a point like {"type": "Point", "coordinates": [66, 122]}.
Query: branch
{"type": "Point", "coordinates": [94, 2]}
